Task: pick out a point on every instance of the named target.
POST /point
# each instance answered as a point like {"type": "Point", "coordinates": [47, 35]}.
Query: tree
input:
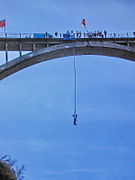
{"type": "Point", "coordinates": [9, 169]}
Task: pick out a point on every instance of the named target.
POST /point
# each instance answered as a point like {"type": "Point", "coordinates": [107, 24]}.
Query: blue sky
{"type": "Point", "coordinates": [37, 102]}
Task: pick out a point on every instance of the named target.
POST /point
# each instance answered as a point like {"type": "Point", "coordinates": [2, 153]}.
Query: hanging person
{"type": "Point", "coordinates": [75, 118]}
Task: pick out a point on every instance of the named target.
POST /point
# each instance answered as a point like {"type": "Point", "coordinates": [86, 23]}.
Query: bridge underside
{"type": "Point", "coordinates": [67, 49]}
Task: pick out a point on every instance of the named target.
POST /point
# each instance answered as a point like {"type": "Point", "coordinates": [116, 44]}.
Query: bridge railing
{"type": "Point", "coordinates": [69, 35]}
{"type": "Point", "coordinates": [121, 35]}
{"type": "Point", "coordinates": [15, 35]}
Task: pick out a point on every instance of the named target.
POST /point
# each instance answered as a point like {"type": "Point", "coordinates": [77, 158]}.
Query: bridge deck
{"type": "Point", "coordinates": [32, 44]}
{"type": "Point", "coordinates": [114, 47]}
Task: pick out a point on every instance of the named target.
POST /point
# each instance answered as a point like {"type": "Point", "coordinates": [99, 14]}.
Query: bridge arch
{"type": "Point", "coordinates": [66, 49]}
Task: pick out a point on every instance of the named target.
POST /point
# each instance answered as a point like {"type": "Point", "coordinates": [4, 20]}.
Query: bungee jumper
{"type": "Point", "coordinates": [75, 119]}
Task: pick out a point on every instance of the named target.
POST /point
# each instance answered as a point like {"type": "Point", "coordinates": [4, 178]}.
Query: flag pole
{"type": "Point", "coordinates": [5, 27]}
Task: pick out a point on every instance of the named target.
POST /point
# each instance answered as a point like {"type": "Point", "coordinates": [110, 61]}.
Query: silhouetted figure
{"type": "Point", "coordinates": [77, 34]}
{"type": "Point", "coordinates": [134, 34]}
{"type": "Point", "coordinates": [46, 35]}
{"type": "Point", "coordinates": [105, 33]}
{"type": "Point", "coordinates": [114, 35]}
{"type": "Point", "coordinates": [75, 119]}
{"type": "Point", "coordinates": [56, 34]}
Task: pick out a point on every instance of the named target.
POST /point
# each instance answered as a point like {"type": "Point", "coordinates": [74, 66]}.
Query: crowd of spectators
{"type": "Point", "coordinates": [89, 34]}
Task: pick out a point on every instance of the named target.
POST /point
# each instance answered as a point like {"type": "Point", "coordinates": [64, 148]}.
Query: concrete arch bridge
{"type": "Point", "coordinates": [43, 49]}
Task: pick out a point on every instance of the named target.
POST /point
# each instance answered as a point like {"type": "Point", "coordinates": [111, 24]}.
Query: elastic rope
{"type": "Point", "coordinates": [75, 82]}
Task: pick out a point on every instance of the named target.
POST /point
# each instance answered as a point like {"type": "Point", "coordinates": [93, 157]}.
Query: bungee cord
{"type": "Point", "coordinates": [75, 89]}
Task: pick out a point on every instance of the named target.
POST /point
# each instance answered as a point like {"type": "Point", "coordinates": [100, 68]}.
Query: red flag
{"type": "Point", "coordinates": [83, 23]}
{"type": "Point", "coordinates": [2, 23]}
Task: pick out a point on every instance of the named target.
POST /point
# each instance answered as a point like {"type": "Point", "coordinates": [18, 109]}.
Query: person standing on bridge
{"type": "Point", "coordinates": [79, 34]}
{"type": "Point", "coordinates": [105, 33]}
{"type": "Point", "coordinates": [56, 34]}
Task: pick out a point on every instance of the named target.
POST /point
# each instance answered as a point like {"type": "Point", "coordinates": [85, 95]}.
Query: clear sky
{"type": "Point", "coordinates": [37, 102]}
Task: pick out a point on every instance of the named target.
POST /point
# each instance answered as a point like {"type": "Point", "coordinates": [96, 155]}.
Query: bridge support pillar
{"type": "Point", "coordinates": [6, 51]}
{"type": "Point", "coordinates": [34, 46]}
{"type": "Point", "coordinates": [20, 49]}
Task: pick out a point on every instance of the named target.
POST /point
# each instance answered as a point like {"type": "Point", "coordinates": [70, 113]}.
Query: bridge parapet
{"type": "Point", "coordinates": [33, 44]}
{"type": "Point", "coordinates": [83, 34]}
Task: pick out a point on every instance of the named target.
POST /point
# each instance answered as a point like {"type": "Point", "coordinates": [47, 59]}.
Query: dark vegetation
{"type": "Point", "coordinates": [9, 169]}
